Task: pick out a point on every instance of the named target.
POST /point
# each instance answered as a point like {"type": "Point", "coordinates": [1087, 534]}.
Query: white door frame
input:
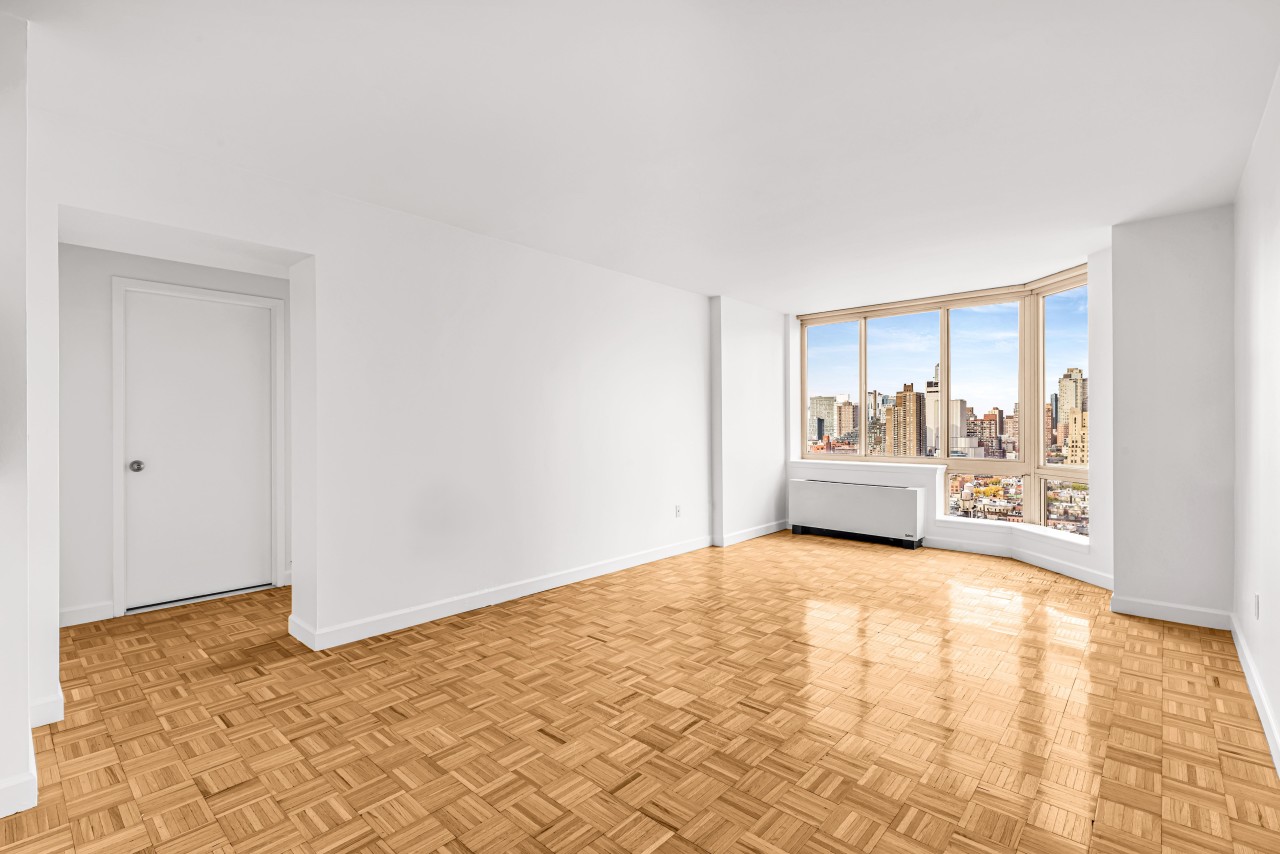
{"type": "Point", "coordinates": [119, 287]}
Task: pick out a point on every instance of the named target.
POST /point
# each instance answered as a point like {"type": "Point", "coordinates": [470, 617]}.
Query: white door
{"type": "Point", "coordinates": [196, 368]}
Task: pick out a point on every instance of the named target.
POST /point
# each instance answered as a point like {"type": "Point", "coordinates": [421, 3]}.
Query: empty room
{"type": "Point", "coordinates": [683, 426]}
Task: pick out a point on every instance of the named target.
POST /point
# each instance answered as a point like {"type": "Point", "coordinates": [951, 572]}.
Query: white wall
{"type": "Point", "coordinates": [1172, 298]}
{"type": "Point", "coordinates": [488, 419]}
{"type": "Point", "coordinates": [85, 367]}
{"type": "Point", "coordinates": [1102, 525]}
{"type": "Point", "coordinates": [17, 765]}
{"type": "Point", "coordinates": [1257, 419]}
{"type": "Point", "coordinates": [748, 418]}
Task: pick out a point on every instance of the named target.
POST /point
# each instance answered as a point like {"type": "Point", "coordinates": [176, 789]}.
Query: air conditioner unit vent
{"type": "Point", "coordinates": [893, 514]}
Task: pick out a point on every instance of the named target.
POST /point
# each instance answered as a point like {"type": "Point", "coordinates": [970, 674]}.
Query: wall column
{"type": "Point", "coordinates": [17, 761]}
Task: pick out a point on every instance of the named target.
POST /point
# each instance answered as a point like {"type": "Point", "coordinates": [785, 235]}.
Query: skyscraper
{"type": "Point", "coordinates": [1078, 442]}
{"type": "Point", "coordinates": [822, 417]}
{"type": "Point", "coordinates": [846, 420]}
{"type": "Point", "coordinates": [875, 438]}
{"type": "Point", "coordinates": [962, 444]}
{"type": "Point", "coordinates": [989, 430]}
{"type": "Point", "coordinates": [1012, 434]}
{"type": "Point", "coordinates": [997, 414]}
{"type": "Point", "coordinates": [932, 412]}
{"type": "Point", "coordinates": [1072, 393]}
{"type": "Point", "coordinates": [907, 423]}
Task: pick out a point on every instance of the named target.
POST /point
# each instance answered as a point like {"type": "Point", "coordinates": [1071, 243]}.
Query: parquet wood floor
{"type": "Point", "coordinates": [788, 694]}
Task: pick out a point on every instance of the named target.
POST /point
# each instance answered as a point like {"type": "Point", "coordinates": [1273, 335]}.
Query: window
{"type": "Point", "coordinates": [1066, 381]}
{"type": "Point", "coordinates": [902, 385]}
{"type": "Point", "coordinates": [985, 496]}
{"type": "Point", "coordinates": [993, 384]}
{"type": "Point", "coordinates": [1066, 506]}
{"type": "Point", "coordinates": [831, 373]}
{"type": "Point", "coordinates": [984, 382]}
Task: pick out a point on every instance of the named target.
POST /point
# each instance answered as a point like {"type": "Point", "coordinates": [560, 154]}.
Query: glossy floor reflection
{"type": "Point", "coordinates": [794, 694]}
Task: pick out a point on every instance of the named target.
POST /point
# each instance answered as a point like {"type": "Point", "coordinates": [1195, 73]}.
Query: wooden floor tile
{"type": "Point", "coordinates": [789, 694]}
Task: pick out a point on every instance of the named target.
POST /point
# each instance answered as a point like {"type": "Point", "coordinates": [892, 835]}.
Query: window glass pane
{"type": "Point", "coordinates": [985, 496]}
{"type": "Point", "coordinates": [902, 385]}
{"type": "Point", "coordinates": [1066, 506]}
{"type": "Point", "coordinates": [984, 382]}
{"type": "Point", "coordinates": [1065, 418]}
{"type": "Point", "coordinates": [831, 360]}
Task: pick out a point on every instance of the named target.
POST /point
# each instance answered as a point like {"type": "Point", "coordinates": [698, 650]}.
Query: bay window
{"type": "Point", "coordinates": [993, 384]}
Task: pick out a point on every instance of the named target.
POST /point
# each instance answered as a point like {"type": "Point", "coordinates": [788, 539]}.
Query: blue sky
{"type": "Point", "coordinates": [984, 356]}
{"type": "Point", "coordinates": [833, 359]}
{"type": "Point", "coordinates": [984, 351]}
{"type": "Point", "coordinates": [900, 350]}
{"type": "Point", "coordinates": [1066, 335]}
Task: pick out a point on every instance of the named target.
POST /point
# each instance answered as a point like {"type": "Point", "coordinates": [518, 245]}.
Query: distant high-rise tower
{"type": "Point", "coordinates": [1078, 441]}
{"type": "Point", "coordinates": [988, 434]}
{"type": "Point", "coordinates": [991, 431]}
{"type": "Point", "coordinates": [962, 444]}
{"type": "Point", "coordinates": [957, 415]}
{"type": "Point", "coordinates": [846, 420]}
{"type": "Point", "coordinates": [907, 428]}
{"type": "Point", "coordinates": [997, 414]}
{"type": "Point", "coordinates": [932, 412]}
{"type": "Point", "coordinates": [1012, 434]}
{"type": "Point", "coordinates": [822, 417]}
{"type": "Point", "coordinates": [1072, 393]}
{"type": "Point", "coordinates": [875, 414]}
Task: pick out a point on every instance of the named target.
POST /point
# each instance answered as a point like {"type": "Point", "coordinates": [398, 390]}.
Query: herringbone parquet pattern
{"type": "Point", "coordinates": [783, 695]}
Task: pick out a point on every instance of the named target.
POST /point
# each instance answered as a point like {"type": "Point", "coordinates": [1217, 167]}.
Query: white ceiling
{"type": "Point", "coordinates": [799, 154]}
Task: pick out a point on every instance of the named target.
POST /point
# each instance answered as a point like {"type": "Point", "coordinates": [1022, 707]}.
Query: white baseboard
{"type": "Point", "coordinates": [1191, 615]}
{"type": "Point", "coordinates": [18, 792]}
{"type": "Point", "coordinates": [751, 533]}
{"type": "Point", "coordinates": [47, 710]}
{"type": "Point", "coordinates": [1070, 569]}
{"type": "Point", "coordinates": [1270, 725]}
{"type": "Point", "coordinates": [302, 632]}
{"type": "Point", "coordinates": [354, 630]}
{"type": "Point", "coordinates": [90, 613]}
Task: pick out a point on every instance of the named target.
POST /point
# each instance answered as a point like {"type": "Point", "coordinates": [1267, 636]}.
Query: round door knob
{"type": "Point", "coordinates": [136, 465]}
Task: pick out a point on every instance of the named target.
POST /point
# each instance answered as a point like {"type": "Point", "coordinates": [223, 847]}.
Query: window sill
{"type": "Point", "coordinates": [1074, 542]}
{"type": "Point", "coordinates": [865, 462]}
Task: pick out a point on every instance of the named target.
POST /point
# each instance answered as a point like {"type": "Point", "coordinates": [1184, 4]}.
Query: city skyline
{"type": "Point", "coordinates": [984, 351]}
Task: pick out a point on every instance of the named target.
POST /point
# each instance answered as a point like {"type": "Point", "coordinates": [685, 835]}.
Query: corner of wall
{"type": "Point", "coordinates": [1256, 368]}
{"type": "Point", "coordinates": [303, 568]}
{"type": "Point", "coordinates": [1258, 688]}
{"type": "Point", "coordinates": [48, 709]}
{"type": "Point", "coordinates": [717, 421]}
{"type": "Point", "coordinates": [28, 625]}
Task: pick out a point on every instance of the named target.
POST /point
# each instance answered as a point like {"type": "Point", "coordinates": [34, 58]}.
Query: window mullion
{"type": "Point", "coordinates": [863, 438]}
{"type": "Point", "coordinates": [944, 385]}
{"type": "Point", "coordinates": [1030, 343]}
